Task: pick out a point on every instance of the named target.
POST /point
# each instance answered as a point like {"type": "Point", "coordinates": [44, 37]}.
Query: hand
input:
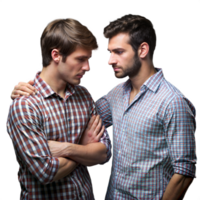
{"type": "Point", "coordinates": [58, 149]}
{"type": "Point", "coordinates": [24, 89]}
{"type": "Point", "coordinates": [93, 132]}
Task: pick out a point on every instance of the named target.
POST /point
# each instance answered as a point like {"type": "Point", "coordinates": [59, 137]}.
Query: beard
{"type": "Point", "coordinates": [130, 71]}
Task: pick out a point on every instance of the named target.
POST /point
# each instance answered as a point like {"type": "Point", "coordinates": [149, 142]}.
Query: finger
{"type": "Point", "coordinates": [20, 93]}
{"type": "Point", "coordinates": [25, 88]}
{"type": "Point", "coordinates": [98, 127]}
{"type": "Point", "coordinates": [31, 82]}
{"type": "Point", "coordinates": [101, 133]}
{"type": "Point", "coordinates": [13, 96]}
{"type": "Point", "coordinates": [95, 123]}
{"type": "Point", "coordinates": [91, 121]}
{"type": "Point", "coordinates": [28, 85]}
{"type": "Point", "coordinates": [97, 119]}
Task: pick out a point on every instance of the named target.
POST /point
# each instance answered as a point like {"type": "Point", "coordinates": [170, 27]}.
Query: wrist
{"type": "Point", "coordinates": [67, 149]}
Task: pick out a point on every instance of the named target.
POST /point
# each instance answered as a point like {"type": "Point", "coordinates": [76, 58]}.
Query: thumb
{"type": "Point", "coordinates": [31, 81]}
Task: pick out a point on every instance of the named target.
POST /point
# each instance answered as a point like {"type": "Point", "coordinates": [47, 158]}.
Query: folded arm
{"type": "Point", "coordinates": [31, 144]}
{"type": "Point", "coordinates": [90, 154]}
{"type": "Point", "coordinates": [66, 166]}
{"type": "Point", "coordinates": [85, 153]}
{"type": "Point", "coordinates": [90, 151]}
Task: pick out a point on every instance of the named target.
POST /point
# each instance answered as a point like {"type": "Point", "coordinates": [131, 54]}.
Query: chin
{"type": "Point", "coordinates": [77, 82]}
{"type": "Point", "coordinates": [120, 77]}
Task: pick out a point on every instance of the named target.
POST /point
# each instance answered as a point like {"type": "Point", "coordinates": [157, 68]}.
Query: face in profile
{"type": "Point", "coordinates": [123, 58]}
{"type": "Point", "coordinates": [76, 64]}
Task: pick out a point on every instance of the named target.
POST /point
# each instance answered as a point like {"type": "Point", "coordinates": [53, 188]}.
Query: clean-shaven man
{"type": "Point", "coordinates": [153, 123]}
{"type": "Point", "coordinates": [59, 111]}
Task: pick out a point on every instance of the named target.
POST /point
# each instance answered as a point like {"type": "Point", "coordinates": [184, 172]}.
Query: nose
{"type": "Point", "coordinates": [86, 66]}
{"type": "Point", "coordinates": [112, 59]}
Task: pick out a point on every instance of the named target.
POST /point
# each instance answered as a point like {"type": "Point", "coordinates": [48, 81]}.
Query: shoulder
{"type": "Point", "coordinates": [117, 90]}
{"type": "Point", "coordinates": [23, 105]}
{"type": "Point", "coordinates": [176, 100]}
{"type": "Point", "coordinates": [82, 92]}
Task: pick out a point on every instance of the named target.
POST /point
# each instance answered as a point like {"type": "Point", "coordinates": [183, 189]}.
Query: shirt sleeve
{"type": "Point", "coordinates": [103, 107]}
{"type": "Point", "coordinates": [179, 123]}
{"type": "Point", "coordinates": [24, 126]}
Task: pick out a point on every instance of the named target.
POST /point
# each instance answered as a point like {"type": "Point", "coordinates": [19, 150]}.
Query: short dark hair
{"type": "Point", "coordinates": [139, 28]}
{"type": "Point", "coordinates": [65, 35]}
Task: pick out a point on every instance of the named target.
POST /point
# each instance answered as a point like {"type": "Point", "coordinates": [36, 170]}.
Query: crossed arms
{"type": "Point", "coordinates": [89, 152]}
{"type": "Point", "coordinates": [49, 160]}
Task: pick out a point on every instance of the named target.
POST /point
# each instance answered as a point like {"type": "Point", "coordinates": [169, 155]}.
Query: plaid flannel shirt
{"type": "Point", "coordinates": [46, 116]}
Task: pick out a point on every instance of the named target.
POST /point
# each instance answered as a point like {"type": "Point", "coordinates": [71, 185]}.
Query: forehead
{"type": "Point", "coordinates": [119, 41]}
{"type": "Point", "coordinates": [81, 52]}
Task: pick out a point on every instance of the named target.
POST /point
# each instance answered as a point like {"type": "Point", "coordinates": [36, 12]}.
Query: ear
{"type": "Point", "coordinates": [55, 55]}
{"type": "Point", "coordinates": [143, 50]}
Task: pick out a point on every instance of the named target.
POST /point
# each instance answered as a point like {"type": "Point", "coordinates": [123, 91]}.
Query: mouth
{"type": "Point", "coordinates": [79, 75]}
{"type": "Point", "coordinates": [116, 69]}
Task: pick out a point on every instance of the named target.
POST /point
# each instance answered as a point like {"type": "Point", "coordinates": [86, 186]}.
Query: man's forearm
{"type": "Point", "coordinates": [90, 154]}
{"type": "Point", "coordinates": [66, 166]}
{"type": "Point", "coordinates": [177, 187]}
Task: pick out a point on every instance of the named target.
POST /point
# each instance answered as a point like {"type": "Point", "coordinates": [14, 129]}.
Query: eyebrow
{"type": "Point", "coordinates": [116, 49]}
{"type": "Point", "coordinates": [83, 56]}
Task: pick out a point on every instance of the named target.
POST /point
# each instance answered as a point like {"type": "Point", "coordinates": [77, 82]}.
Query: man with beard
{"type": "Point", "coordinates": [153, 123]}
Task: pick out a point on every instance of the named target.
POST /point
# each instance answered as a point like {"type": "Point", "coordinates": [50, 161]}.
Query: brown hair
{"type": "Point", "coordinates": [65, 35]}
{"type": "Point", "coordinates": [139, 28]}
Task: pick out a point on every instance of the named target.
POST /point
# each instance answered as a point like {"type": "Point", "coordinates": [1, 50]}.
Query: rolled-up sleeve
{"type": "Point", "coordinates": [104, 110]}
{"type": "Point", "coordinates": [180, 127]}
{"type": "Point", "coordinates": [24, 126]}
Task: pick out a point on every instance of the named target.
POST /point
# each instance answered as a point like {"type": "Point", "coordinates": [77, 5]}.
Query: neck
{"type": "Point", "coordinates": [146, 71]}
{"type": "Point", "coordinates": [50, 75]}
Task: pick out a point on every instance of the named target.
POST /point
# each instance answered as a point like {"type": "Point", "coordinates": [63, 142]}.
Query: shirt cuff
{"type": "Point", "coordinates": [186, 169]}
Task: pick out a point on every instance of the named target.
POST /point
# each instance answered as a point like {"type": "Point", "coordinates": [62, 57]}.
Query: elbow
{"type": "Point", "coordinates": [104, 158]}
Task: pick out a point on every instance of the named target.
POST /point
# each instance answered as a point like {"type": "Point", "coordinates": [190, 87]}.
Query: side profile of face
{"type": "Point", "coordinates": [76, 64]}
{"type": "Point", "coordinates": [123, 58]}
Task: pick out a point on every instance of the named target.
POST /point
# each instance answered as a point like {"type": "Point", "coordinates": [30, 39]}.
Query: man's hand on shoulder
{"type": "Point", "coordinates": [23, 89]}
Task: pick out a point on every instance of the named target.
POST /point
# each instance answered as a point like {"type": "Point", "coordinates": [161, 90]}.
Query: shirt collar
{"type": "Point", "coordinates": [46, 91]}
{"type": "Point", "coordinates": [152, 82]}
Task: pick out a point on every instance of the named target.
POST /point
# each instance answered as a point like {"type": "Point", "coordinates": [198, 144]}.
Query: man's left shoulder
{"type": "Point", "coordinates": [175, 96]}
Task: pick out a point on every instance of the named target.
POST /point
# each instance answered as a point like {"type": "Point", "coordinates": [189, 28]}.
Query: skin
{"type": "Point", "coordinates": [126, 62]}
{"type": "Point", "coordinates": [58, 74]}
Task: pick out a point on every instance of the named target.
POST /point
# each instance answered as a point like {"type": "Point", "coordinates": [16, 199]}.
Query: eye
{"type": "Point", "coordinates": [119, 52]}
{"type": "Point", "coordinates": [81, 59]}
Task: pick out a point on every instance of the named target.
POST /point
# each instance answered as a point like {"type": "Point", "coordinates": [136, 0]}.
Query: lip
{"type": "Point", "coordinates": [79, 75]}
{"type": "Point", "coordinates": [116, 69]}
